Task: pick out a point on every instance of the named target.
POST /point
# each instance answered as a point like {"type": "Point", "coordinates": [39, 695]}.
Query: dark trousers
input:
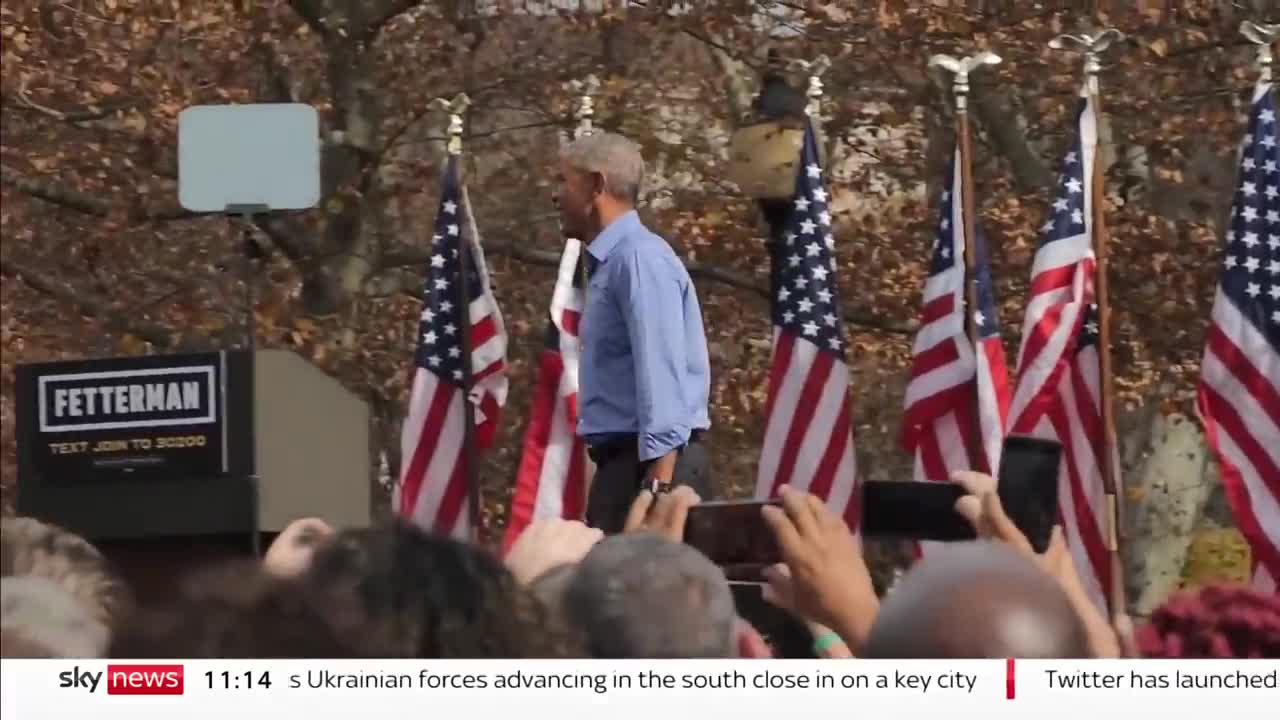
{"type": "Point", "coordinates": [620, 475]}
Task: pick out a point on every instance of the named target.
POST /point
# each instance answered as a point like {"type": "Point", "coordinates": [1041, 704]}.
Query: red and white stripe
{"type": "Point", "coordinates": [1239, 403]}
{"type": "Point", "coordinates": [551, 481]}
{"type": "Point", "coordinates": [1057, 395]}
{"type": "Point", "coordinates": [808, 437]}
{"type": "Point", "coordinates": [948, 379]}
{"type": "Point", "coordinates": [432, 492]}
{"type": "Point", "coordinates": [1239, 389]}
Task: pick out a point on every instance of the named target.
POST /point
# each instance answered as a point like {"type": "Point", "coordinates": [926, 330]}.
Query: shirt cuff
{"type": "Point", "coordinates": [654, 445]}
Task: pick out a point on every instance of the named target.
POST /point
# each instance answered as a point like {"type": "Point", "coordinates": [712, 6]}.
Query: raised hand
{"type": "Point", "coordinates": [547, 544]}
{"type": "Point", "coordinates": [829, 581]}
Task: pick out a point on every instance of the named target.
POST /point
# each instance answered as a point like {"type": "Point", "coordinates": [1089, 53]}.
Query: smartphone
{"type": "Point", "coordinates": [915, 510]}
{"type": "Point", "coordinates": [1028, 486]}
{"type": "Point", "coordinates": [733, 534]}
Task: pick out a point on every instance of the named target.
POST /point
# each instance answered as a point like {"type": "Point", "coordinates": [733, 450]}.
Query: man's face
{"type": "Point", "coordinates": [575, 199]}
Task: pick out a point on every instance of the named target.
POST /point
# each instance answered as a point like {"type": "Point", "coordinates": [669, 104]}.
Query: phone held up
{"type": "Point", "coordinates": [733, 534]}
{"type": "Point", "coordinates": [1027, 486]}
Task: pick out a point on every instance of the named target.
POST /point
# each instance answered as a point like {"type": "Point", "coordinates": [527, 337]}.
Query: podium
{"type": "Point", "coordinates": [162, 459]}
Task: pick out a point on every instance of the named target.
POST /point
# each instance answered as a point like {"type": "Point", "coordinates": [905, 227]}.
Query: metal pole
{"type": "Point", "coordinates": [1263, 36]}
{"type": "Point", "coordinates": [251, 252]}
{"type": "Point", "coordinates": [962, 68]}
{"type": "Point", "coordinates": [1094, 45]}
{"type": "Point", "coordinates": [250, 317]}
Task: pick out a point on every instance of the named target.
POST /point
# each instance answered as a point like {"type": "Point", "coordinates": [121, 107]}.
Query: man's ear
{"type": "Point", "coordinates": [598, 185]}
{"type": "Point", "coordinates": [751, 645]}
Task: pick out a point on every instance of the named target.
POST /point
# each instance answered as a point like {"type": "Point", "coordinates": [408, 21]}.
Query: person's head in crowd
{"type": "Point", "coordinates": [1217, 622]}
{"type": "Point", "coordinates": [291, 553]}
{"type": "Point", "coordinates": [600, 178]}
{"type": "Point", "coordinates": [403, 593]}
{"type": "Point", "coordinates": [550, 587]}
{"type": "Point", "coordinates": [977, 600]}
{"type": "Point", "coordinates": [233, 610]}
{"type": "Point", "coordinates": [29, 547]}
{"type": "Point", "coordinates": [638, 595]}
{"type": "Point", "coordinates": [40, 619]}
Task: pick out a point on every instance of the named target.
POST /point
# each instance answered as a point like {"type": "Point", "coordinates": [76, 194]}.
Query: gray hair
{"type": "Point", "coordinates": [613, 156]}
{"type": "Point", "coordinates": [642, 596]}
{"type": "Point", "coordinates": [40, 618]}
{"type": "Point", "coordinates": [550, 587]}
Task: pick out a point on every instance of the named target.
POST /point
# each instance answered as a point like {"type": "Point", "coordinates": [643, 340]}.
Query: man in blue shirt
{"type": "Point", "coordinates": [644, 377]}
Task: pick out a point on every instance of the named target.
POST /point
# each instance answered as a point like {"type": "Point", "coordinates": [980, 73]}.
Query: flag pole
{"type": "Point", "coordinates": [457, 107]}
{"type": "Point", "coordinates": [583, 114]}
{"type": "Point", "coordinates": [1094, 45]}
{"type": "Point", "coordinates": [813, 115]}
{"type": "Point", "coordinates": [962, 68]}
{"type": "Point", "coordinates": [1262, 36]}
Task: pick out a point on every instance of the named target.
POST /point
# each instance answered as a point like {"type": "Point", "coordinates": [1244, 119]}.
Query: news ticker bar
{"type": "Point", "coordinates": [554, 688]}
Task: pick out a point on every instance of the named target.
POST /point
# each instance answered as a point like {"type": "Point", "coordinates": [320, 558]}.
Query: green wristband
{"type": "Point", "coordinates": [825, 641]}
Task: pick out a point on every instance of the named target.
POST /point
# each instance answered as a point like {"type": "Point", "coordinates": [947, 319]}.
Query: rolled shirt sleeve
{"type": "Point", "coordinates": [654, 297]}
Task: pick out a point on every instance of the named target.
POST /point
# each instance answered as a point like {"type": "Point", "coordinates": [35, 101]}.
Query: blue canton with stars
{"type": "Point", "coordinates": [1066, 216]}
{"type": "Point", "coordinates": [807, 304]}
{"type": "Point", "coordinates": [985, 321]}
{"type": "Point", "coordinates": [439, 332]}
{"type": "Point", "coordinates": [1251, 257]}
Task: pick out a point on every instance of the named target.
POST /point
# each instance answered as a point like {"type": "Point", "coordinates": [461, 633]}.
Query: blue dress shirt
{"type": "Point", "coordinates": [644, 369]}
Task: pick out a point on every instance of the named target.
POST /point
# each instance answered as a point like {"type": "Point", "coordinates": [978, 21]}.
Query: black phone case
{"type": "Point", "coordinates": [734, 536]}
{"type": "Point", "coordinates": [1028, 486]}
{"type": "Point", "coordinates": [914, 510]}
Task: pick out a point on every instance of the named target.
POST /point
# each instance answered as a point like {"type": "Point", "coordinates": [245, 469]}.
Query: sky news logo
{"type": "Point", "coordinates": [127, 679]}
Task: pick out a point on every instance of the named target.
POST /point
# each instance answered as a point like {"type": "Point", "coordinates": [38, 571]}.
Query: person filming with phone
{"type": "Point", "coordinates": [644, 375]}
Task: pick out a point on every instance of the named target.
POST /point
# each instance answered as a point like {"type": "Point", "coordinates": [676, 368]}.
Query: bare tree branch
{"type": "Point", "coordinates": [83, 202]}
{"type": "Point", "coordinates": [734, 70]}
{"type": "Point", "coordinates": [87, 304]}
{"type": "Point", "coordinates": [58, 195]}
{"type": "Point", "coordinates": [994, 108]}
{"type": "Point", "coordinates": [314, 13]}
{"type": "Point", "coordinates": [288, 238]}
{"type": "Point", "coordinates": [95, 111]}
{"type": "Point", "coordinates": [697, 270]}
{"type": "Point", "coordinates": [469, 137]}
{"type": "Point", "coordinates": [279, 84]}
{"type": "Point", "coordinates": [385, 14]}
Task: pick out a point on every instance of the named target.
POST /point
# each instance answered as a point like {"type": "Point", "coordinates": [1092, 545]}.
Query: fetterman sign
{"type": "Point", "coordinates": [125, 416]}
{"type": "Point", "coordinates": [128, 399]}
{"type": "Point", "coordinates": [167, 446]}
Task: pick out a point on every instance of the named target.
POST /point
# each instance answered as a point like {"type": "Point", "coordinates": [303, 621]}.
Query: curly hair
{"type": "Point", "coordinates": [399, 592]}
{"type": "Point", "coordinates": [29, 547]}
{"type": "Point", "coordinates": [1218, 622]}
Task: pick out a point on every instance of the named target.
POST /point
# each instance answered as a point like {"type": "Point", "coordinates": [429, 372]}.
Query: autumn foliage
{"type": "Point", "coordinates": [98, 258]}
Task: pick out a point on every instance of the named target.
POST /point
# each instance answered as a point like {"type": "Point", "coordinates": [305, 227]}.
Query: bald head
{"type": "Point", "coordinates": [977, 600]}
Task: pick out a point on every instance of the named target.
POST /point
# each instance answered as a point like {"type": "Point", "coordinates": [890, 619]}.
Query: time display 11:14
{"type": "Point", "coordinates": [236, 681]}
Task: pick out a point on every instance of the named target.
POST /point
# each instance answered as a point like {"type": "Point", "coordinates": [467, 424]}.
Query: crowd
{"type": "Point", "coordinates": [566, 590]}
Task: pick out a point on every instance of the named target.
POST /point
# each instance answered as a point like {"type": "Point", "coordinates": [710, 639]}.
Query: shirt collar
{"type": "Point", "coordinates": [608, 238]}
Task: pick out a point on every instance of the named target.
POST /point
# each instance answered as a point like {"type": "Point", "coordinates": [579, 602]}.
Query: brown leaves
{"type": "Point", "coordinates": [1167, 95]}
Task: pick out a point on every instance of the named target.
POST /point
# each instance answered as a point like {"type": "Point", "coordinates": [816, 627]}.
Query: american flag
{"type": "Point", "coordinates": [1058, 393]}
{"type": "Point", "coordinates": [951, 379]}
{"type": "Point", "coordinates": [808, 439]}
{"type": "Point", "coordinates": [1239, 392]}
{"type": "Point", "coordinates": [433, 492]}
{"type": "Point", "coordinates": [553, 467]}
